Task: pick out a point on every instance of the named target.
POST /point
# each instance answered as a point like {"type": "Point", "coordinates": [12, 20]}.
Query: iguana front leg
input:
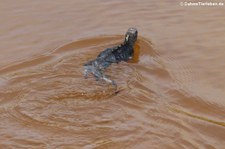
{"type": "Point", "coordinates": [98, 73]}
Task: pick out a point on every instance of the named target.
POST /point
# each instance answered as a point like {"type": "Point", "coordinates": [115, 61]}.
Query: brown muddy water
{"type": "Point", "coordinates": [171, 96]}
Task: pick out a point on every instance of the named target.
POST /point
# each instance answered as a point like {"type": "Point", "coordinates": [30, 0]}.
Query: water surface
{"type": "Point", "coordinates": [170, 96]}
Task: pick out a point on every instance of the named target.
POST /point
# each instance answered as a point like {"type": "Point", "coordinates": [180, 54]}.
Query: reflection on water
{"type": "Point", "coordinates": [171, 95]}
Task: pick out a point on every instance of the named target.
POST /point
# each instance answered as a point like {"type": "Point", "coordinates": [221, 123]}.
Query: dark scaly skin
{"type": "Point", "coordinates": [116, 54]}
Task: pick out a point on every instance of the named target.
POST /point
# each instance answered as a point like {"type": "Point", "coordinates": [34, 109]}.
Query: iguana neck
{"type": "Point", "coordinates": [128, 43]}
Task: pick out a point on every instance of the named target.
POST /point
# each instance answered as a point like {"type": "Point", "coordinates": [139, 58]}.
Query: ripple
{"type": "Point", "coordinates": [49, 93]}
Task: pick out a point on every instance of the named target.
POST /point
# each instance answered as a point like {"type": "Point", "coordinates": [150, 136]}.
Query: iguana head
{"type": "Point", "coordinates": [131, 36]}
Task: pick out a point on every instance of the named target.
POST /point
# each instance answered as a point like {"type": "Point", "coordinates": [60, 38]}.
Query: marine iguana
{"type": "Point", "coordinates": [122, 52]}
